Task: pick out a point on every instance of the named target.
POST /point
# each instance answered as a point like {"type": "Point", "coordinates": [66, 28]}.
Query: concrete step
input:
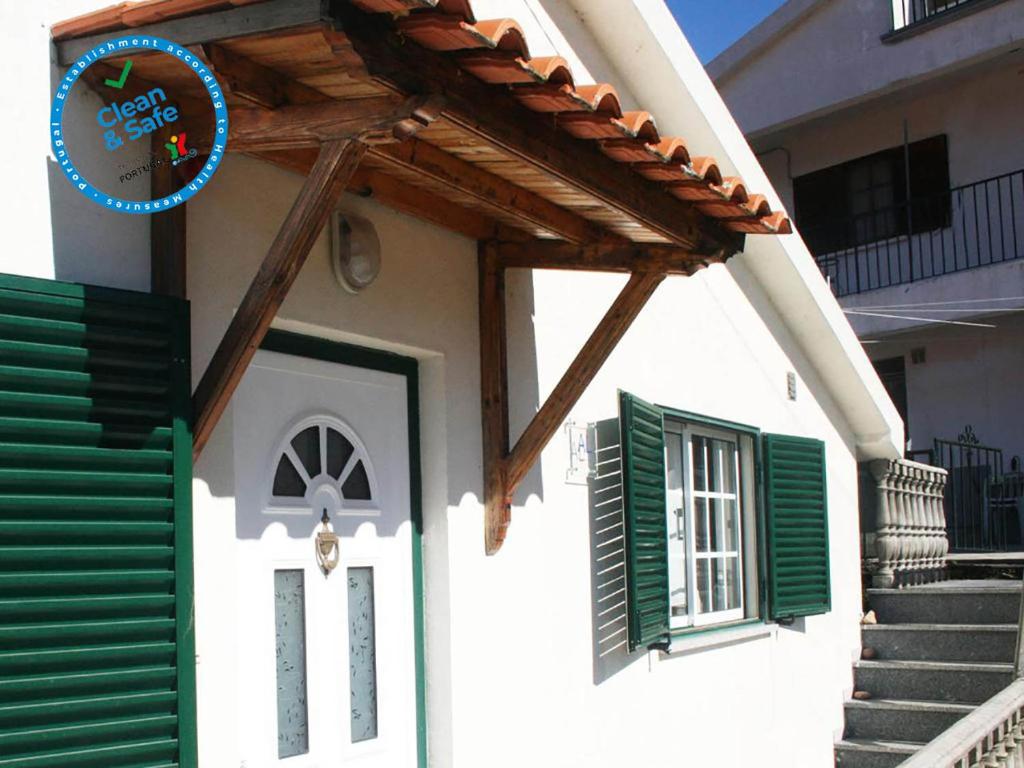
{"type": "Point", "coordinates": [873, 753]}
{"type": "Point", "coordinates": [966, 683]}
{"type": "Point", "coordinates": [950, 602]}
{"type": "Point", "coordinates": [941, 642]}
{"type": "Point", "coordinates": [901, 720]}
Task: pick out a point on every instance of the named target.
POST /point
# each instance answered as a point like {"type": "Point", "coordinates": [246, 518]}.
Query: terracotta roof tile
{"type": "Point", "coordinates": [601, 97]}
{"type": "Point", "coordinates": [453, 33]}
{"type": "Point", "coordinates": [496, 52]}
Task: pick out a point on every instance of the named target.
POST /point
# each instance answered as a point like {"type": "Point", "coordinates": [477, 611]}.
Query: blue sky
{"type": "Point", "coordinates": [711, 26]}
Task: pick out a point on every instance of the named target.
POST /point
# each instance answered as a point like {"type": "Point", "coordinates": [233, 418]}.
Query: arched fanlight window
{"type": "Point", "coordinates": [320, 452]}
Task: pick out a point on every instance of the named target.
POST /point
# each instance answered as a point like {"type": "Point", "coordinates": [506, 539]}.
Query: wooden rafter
{"type": "Point", "coordinates": [492, 190]}
{"type": "Point", "coordinates": [306, 126]}
{"type": "Point", "coordinates": [407, 198]}
{"type": "Point", "coordinates": [603, 257]}
{"type": "Point", "coordinates": [254, 19]}
{"type": "Point", "coordinates": [505, 469]}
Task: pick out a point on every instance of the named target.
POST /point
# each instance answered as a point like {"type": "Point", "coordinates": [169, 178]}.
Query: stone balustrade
{"type": "Point", "coordinates": [910, 537]}
{"type": "Point", "coordinates": [992, 736]}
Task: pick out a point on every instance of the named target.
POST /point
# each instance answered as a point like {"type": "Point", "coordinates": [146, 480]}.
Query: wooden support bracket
{"type": "Point", "coordinates": [345, 144]}
{"type": "Point", "coordinates": [505, 469]}
{"type": "Point", "coordinates": [337, 161]}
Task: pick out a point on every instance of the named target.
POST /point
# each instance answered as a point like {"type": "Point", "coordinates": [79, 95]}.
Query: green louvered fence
{"type": "Point", "coordinates": [797, 526]}
{"type": "Point", "coordinates": [97, 660]}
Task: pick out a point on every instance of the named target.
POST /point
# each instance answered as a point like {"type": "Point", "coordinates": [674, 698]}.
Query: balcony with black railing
{"type": "Point", "coordinates": [907, 13]}
{"type": "Point", "coordinates": [963, 228]}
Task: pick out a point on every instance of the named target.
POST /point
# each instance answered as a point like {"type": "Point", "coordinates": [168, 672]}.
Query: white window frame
{"type": "Point", "coordinates": [742, 552]}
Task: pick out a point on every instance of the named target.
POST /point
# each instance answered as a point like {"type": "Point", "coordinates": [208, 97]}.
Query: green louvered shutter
{"type": "Point", "coordinates": [797, 526]}
{"type": "Point", "coordinates": [97, 659]}
{"type": "Point", "coordinates": [643, 485]}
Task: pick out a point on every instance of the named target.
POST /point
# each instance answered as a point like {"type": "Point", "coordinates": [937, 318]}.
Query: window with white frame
{"type": "Point", "coordinates": [700, 550]}
{"type": "Point", "coordinates": [711, 520]}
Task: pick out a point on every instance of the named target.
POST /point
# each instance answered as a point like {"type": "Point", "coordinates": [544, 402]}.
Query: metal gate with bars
{"type": "Point", "coordinates": [984, 506]}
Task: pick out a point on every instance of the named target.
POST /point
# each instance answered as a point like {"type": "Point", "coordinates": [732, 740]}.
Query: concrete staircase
{"type": "Point", "coordinates": [936, 653]}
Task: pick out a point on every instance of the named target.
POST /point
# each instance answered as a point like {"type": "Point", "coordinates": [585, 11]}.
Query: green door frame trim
{"type": "Point", "coordinates": [315, 348]}
{"type": "Point", "coordinates": [181, 447]}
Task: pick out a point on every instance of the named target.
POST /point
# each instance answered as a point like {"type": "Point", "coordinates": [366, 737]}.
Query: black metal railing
{"type": "Point", "coordinates": [917, 11]}
{"type": "Point", "coordinates": [977, 496]}
{"type": "Point", "coordinates": [958, 229]}
{"type": "Point", "coordinates": [1006, 510]}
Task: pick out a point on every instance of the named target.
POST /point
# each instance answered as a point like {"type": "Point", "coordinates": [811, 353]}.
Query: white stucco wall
{"type": "Point", "coordinates": [969, 377]}
{"type": "Point", "coordinates": [510, 657]}
{"type": "Point", "coordinates": [839, 41]}
{"type": "Point", "coordinates": [510, 639]}
{"type": "Point", "coordinates": [51, 229]}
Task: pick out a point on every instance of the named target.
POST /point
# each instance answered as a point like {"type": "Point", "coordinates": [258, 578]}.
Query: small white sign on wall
{"type": "Point", "coordinates": [580, 450]}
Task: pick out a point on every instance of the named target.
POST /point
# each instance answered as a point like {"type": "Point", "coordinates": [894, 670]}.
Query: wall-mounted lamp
{"type": "Point", "coordinates": [355, 251]}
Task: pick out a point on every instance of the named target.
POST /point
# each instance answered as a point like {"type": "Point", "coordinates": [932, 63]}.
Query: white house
{"type": "Point", "coordinates": [884, 103]}
{"type": "Point", "coordinates": [423, 527]}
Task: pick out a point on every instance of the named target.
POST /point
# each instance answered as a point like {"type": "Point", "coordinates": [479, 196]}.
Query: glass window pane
{"type": "Point", "coordinates": [718, 583]}
{"type": "Point", "coordinates": [362, 651]}
{"type": "Point", "coordinates": [730, 525]}
{"type": "Point", "coordinates": [700, 523]}
{"type": "Point", "coordinates": [700, 482]}
{"type": "Point", "coordinates": [676, 522]}
{"type": "Point", "coordinates": [703, 587]}
{"type": "Point", "coordinates": [357, 484]}
{"type": "Point", "coordinates": [307, 448]}
{"type": "Point", "coordinates": [339, 450]}
{"type": "Point", "coordinates": [733, 586]}
{"type": "Point", "coordinates": [715, 524]}
{"type": "Point", "coordinates": [287, 481]}
{"type": "Point", "coordinates": [290, 626]}
{"type": "Point", "coordinates": [715, 464]}
{"type": "Point", "coordinates": [728, 454]}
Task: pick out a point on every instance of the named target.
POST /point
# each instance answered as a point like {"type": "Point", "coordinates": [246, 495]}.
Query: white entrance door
{"type": "Point", "coordinates": [326, 662]}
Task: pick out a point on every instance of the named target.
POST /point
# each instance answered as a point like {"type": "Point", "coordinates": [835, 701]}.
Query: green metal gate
{"type": "Point", "coordinates": [97, 658]}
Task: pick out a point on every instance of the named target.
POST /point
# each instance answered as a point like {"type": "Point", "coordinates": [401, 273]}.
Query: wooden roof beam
{"type": "Point", "coordinates": [603, 257]}
{"type": "Point", "coordinates": [306, 126]}
{"type": "Point", "coordinates": [255, 19]}
{"type": "Point", "coordinates": [407, 198]}
{"type": "Point", "coordinates": [494, 116]}
{"type": "Point", "coordinates": [493, 191]}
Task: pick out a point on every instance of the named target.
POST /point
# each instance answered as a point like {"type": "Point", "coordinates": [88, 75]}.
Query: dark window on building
{"type": "Point", "coordinates": [865, 200]}
{"type": "Point", "coordinates": [893, 373]}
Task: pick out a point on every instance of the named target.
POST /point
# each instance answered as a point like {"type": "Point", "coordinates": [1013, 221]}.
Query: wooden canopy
{"type": "Point", "coordinates": [449, 119]}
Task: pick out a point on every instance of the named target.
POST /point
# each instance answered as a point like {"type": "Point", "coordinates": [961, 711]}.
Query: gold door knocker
{"type": "Point", "coordinates": [327, 551]}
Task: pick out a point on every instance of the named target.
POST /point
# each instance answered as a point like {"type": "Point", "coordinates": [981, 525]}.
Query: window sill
{"type": "Point", "coordinates": [716, 637]}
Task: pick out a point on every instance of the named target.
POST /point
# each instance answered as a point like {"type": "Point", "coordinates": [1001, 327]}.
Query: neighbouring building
{"type": "Point", "coordinates": [894, 139]}
{"type": "Point", "coordinates": [450, 509]}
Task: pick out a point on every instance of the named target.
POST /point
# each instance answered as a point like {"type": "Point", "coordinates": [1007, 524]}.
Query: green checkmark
{"type": "Point", "coordinates": [119, 83]}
